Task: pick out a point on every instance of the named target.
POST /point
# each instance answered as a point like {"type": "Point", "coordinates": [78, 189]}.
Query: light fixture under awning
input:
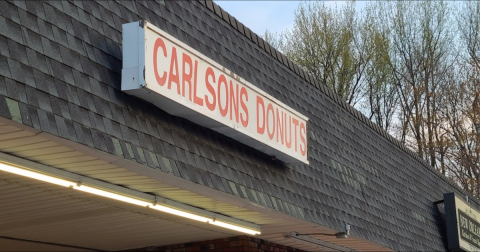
{"type": "Point", "coordinates": [62, 178]}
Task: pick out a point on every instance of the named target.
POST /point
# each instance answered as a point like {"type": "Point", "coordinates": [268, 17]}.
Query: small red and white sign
{"type": "Point", "coordinates": [183, 82]}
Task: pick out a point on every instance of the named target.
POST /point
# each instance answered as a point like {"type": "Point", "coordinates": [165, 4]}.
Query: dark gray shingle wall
{"type": "Point", "coordinates": [60, 65]}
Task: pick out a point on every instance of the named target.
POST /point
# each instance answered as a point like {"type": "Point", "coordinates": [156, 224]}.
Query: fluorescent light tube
{"type": "Point", "coordinates": [108, 194]}
{"type": "Point", "coordinates": [234, 227]}
{"type": "Point", "coordinates": [36, 175]}
{"type": "Point", "coordinates": [180, 213]}
{"type": "Point", "coordinates": [130, 200]}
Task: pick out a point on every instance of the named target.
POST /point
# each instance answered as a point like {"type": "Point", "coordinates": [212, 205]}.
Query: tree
{"type": "Point", "coordinates": [419, 58]}
{"type": "Point", "coordinates": [462, 103]}
{"type": "Point", "coordinates": [324, 43]}
{"type": "Point", "coordinates": [381, 99]}
{"type": "Point", "coordinates": [469, 26]}
{"type": "Point", "coordinates": [407, 67]}
{"type": "Point", "coordinates": [463, 113]}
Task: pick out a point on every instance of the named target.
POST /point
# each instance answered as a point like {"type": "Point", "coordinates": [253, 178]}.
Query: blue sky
{"type": "Point", "coordinates": [260, 15]}
{"type": "Point", "coordinates": [276, 16]}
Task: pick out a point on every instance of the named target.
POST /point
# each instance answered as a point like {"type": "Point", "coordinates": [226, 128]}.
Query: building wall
{"type": "Point", "coordinates": [60, 72]}
{"type": "Point", "coordinates": [233, 244]}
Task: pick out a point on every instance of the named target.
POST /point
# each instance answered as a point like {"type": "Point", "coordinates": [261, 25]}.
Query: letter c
{"type": "Point", "coordinates": [159, 43]}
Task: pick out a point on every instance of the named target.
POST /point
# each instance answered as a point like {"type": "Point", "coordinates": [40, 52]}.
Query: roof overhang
{"type": "Point", "coordinates": [43, 212]}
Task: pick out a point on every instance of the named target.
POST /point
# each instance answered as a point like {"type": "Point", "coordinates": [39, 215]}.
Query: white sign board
{"type": "Point", "coordinates": [183, 82]}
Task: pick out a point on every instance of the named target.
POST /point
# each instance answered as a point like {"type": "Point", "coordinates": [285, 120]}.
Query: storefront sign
{"type": "Point", "coordinates": [183, 82]}
{"type": "Point", "coordinates": [463, 224]}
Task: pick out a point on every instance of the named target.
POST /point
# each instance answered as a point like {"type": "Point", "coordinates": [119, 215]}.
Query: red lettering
{"type": "Point", "coordinates": [187, 77]}
{"type": "Point", "coordinates": [280, 119]}
{"type": "Point", "coordinates": [159, 43]}
{"type": "Point", "coordinates": [272, 122]}
{"type": "Point", "coordinates": [173, 77]}
{"type": "Point", "coordinates": [224, 110]}
{"type": "Point", "coordinates": [243, 93]}
{"type": "Point", "coordinates": [213, 104]}
{"type": "Point", "coordinates": [260, 129]}
{"type": "Point", "coordinates": [196, 99]}
{"type": "Point", "coordinates": [303, 145]}
{"type": "Point", "coordinates": [233, 103]}
{"type": "Point", "coordinates": [288, 140]}
{"type": "Point", "coordinates": [295, 122]}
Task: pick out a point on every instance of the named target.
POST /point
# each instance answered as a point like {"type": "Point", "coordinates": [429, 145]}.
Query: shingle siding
{"type": "Point", "coordinates": [61, 63]}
